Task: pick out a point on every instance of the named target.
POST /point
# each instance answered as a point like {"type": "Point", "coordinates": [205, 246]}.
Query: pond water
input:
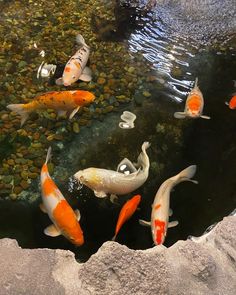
{"type": "Point", "coordinates": [146, 71]}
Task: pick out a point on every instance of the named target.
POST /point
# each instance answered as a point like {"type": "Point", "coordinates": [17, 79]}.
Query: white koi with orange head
{"type": "Point", "coordinates": [194, 105]}
{"type": "Point", "coordinates": [65, 220]}
{"type": "Point", "coordinates": [75, 68]}
{"type": "Point", "coordinates": [161, 206]}
{"type": "Point", "coordinates": [103, 181]}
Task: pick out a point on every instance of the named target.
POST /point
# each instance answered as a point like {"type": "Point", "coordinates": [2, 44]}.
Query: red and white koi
{"type": "Point", "coordinates": [75, 68]}
{"type": "Point", "coordinates": [194, 105]}
{"type": "Point", "coordinates": [161, 206]}
{"type": "Point", "coordinates": [126, 212]}
{"type": "Point", "coordinates": [65, 220]}
{"type": "Point", "coordinates": [232, 102]}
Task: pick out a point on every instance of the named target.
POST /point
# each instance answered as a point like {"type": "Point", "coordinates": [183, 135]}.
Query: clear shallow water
{"type": "Point", "coordinates": [165, 68]}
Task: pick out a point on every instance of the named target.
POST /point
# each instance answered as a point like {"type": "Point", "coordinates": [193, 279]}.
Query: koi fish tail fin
{"type": "Point", "coordinates": [49, 154]}
{"type": "Point", "coordinates": [196, 83]}
{"type": "Point", "coordinates": [20, 110]}
{"type": "Point", "coordinates": [114, 238]}
{"type": "Point", "coordinates": [143, 160]}
{"type": "Point", "coordinates": [80, 40]}
{"type": "Point", "coordinates": [179, 115]}
{"type": "Point", "coordinates": [187, 174]}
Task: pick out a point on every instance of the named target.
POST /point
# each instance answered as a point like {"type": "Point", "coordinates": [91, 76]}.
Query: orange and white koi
{"type": "Point", "coordinates": [60, 101]}
{"type": "Point", "coordinates": [160, 208]}
{"type": "Point", "coordinates": [126, 212]}
{"type": "Point", "coordinates": [75, 68]}
{"type": "Point", "coordinates": [194, 105]}
{"type": "Point", "coordinates": [232, 102]}
{"type": "Point", "coordinates": [65, 220]}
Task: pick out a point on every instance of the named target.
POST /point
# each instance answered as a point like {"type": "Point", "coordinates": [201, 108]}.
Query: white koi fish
{"type": "Point", "coordinates": [104, 182]}
{"type": "Point", "coordinates": [194, 105]}
{"type": "Point", "coordinates": [160, 208]}
{"type": "Point", "coordinates": [65, 220]}
{"type": "Point", "coordinates": [76, 66]}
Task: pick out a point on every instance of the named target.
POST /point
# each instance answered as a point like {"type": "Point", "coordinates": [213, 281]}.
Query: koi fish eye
{"type": "Point", "coordinates": [73, 77]}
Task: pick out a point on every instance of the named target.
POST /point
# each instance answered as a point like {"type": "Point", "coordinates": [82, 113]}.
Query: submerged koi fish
{"type": "Point", "coordinates": [160, 208]}
{"type": "Point", "coordinates": [194, 104]}
{"type": "Point", "coordinates": [126, 212]}
{"type": "Point", "coordinates": [232, 102]}
{"type": "Point", "coordinates": [61, 101]}
{"type": "Point", "coordinates": [104, 182]}
{"type": "Point", "coordinates": [65, 220]}
{"type": "Point", "coordinates": [75, 68]}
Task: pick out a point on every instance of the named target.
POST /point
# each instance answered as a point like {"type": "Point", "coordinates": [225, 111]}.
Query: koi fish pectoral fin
{"type": "Point", "coordinates": [113, 199]}
{"type": "Point", "coordinates": [170, 212]}
{"type": "Point", "coordinates": [100, 194]}
{"type": "Point", "coordinates": [52, 231]}
{"type": "Point", "coordinates": [59, 81]}
{"type": "Point", "coordinates": [205, 117]}
{"type": "Point", "coordinates": [173, 224]}
{"type": "Point", "coordinates": [42, 208]}
{"type": "Point", "coordinates": [61, 113]}
{"type": "Point", "coordinates": [86, 75]}
{"type": "Point", "coordinates": [144, 222]}
{"type": "Point", "coordinates": [179, 115]}
{"type": "Point", "coordinates": [74, 112]}
{"type": "Point", "coordinates": [78, 215]}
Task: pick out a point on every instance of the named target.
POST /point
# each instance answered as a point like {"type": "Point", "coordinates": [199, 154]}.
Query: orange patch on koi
{"type": "Point", "coordinates": [157, 206]}
{"type": "Point", "coordinates": [49, 187]}
{"type": "Point", "coordinates": [194, 103]}
{"type": "Point", "coordinates": [67, 69]}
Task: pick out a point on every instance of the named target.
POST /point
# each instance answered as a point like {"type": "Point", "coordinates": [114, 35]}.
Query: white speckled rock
{"type": "Point", "coordinates": [204, 266]}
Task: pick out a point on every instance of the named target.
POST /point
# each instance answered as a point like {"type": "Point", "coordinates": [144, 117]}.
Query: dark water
{"type": "Point", "coordinates": [174, 62]}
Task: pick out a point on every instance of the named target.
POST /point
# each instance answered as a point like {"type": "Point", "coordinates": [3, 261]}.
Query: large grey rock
{"type": "Point", "coordinates": [206, 265]}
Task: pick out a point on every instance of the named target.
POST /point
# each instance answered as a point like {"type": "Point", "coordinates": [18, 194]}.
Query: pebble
{"type": "Point", "coordinates": [75, 127]}
{"type": "Point", "coordinates": [24, 184]}
{"type": "Point", "coordinates": [101, 81]}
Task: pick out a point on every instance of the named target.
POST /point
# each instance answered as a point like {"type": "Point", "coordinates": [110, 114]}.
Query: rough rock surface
{"type": "Point", "coordinates": [206, 265]}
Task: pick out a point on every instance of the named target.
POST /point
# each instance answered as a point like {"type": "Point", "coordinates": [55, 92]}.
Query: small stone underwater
{"type": "Point", "coordinates": [147, 79]}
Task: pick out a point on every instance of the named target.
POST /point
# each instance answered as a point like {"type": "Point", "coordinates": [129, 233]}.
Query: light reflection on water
{"type": "Point", "coordinates": [166, 55]}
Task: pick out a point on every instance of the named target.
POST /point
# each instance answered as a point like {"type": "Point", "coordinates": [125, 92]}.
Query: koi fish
{"type": "Point", "coordinates": [104, 182]}
{"type": "Point", "coordinates": [61, 101]}
{"type": "Point", "coordinates": [126, 212]}
{"type": "Point", "coordinates": [75, 68]}
{"type": "Point", "coordinates": [160, 208]}
{"type": "Point", "coordinates": [232, 103]}
{"type": "Point", "coordinates": [65, 220]}
{"type": "Point", "coordinates": [194, 105]}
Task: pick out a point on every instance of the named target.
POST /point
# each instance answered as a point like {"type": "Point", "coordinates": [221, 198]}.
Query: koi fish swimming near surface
{"type": "Point", "coordinates": [161, 206]}
{"type": "Point", "coordinates": [65, 220]}
{"type": "Point", "coordinates": [232, 102]}
{"type": "Point", "coordinates": [194, 105]}
{"type": "Point", "coordinates": [75, 68]}
{"type": "Point", "coordinates": [60, 101]}
{"type": "Point", "coordinates": [104, 182]}
{"type": "Point", "coordinates": [126, 212]}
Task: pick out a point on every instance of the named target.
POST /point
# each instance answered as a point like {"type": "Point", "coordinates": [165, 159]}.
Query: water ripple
{"type": "Point", "coordinates": [169, 58]}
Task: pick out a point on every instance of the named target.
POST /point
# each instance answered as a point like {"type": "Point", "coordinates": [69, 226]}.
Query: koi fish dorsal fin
{"type": "Point", "coordinates": [49, 154]}
{"type": "Point", "coordinates": [77, 214]}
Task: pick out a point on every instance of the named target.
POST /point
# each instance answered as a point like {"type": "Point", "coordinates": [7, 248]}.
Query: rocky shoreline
{"type": "Point", "coordinates": [204, 266]}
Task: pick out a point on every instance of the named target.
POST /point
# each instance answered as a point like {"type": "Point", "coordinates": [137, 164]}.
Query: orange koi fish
{"type": "Point", "coordinates": [161, 206]}
{"type": "Point", "coordinates": [60, 101]}
{"type": "Point", "coordinates": [232, 102]}
{"type": "Point", "coordinates": [194, 105]}
{"type": "Point", "coordinates": [65, 220]}
{"type": "Point", "coordinates": [126, 212]}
